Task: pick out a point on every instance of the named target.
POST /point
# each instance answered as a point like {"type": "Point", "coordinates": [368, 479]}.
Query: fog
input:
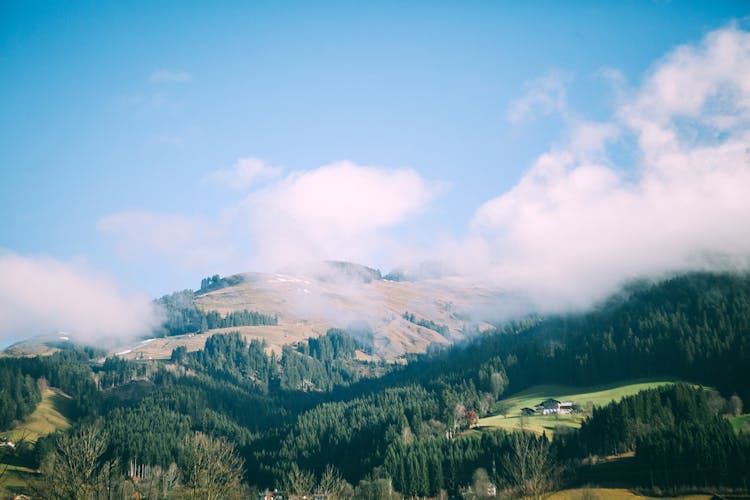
{"type": "Point", "coordinates": [44, 296]}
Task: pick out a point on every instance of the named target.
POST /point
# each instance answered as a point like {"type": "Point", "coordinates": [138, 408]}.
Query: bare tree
{"type": "Point", "coordinates": [154, 482]}
{"type": "Point", "coordinates": [210, 468]}
{"type": "Point", "coordinates": [459, 415]}
{"type": "Point", "coordinates": [529, 465]}
{"type": "Point", "coordinates": [376, 489]}
{"type": "Point", "coordinates": [76, 469]}
{"type": "Point", "coordinates": [299, 483]}
{"type": "Point", "coordinates": [481, 486]}
{"type": "Point", "coordinates": [333, 486]}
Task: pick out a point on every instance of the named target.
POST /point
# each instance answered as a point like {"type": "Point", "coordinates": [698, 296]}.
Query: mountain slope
{"type": "Point", "coordinates": [403, 316]}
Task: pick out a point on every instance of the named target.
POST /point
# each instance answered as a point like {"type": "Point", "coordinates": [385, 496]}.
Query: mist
{"type": "Point", "coordinates": [45, 296]}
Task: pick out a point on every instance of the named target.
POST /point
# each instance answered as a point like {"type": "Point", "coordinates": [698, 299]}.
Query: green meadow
{"type": "Point", "coordinates": [50, 415]}
{"type": "Point", "coordinates": [585, 397]}
{"type": "Point", "coordinates": [741, 423]}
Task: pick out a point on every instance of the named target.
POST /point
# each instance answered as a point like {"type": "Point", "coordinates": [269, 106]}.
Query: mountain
{"type": "Point", "coordinates": [317, 411]}
{"type": "Point", "coordinates": [401, 316]}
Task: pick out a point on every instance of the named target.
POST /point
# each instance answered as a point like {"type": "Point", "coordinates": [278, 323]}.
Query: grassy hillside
{"type": "Point", "coordinates": [50, 415]}
{"type": "Point", "coordinates": [741, 423]}
{"type": "Point", "coordinates": [586, 397]}
{"type": "Point", "coordinates": [609, 494]}
{"type": "Point", "coordinates": [15, 479]}
{"type": "Point", "coordinates": [310, 302]}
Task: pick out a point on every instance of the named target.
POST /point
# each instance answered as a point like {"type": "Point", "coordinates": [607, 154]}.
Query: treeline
{"type": "Point", "coordinates": [182, 316]}
{"type": "Point", "coordinates": [319, 364]}
{"type": "Point", "coordinates": [79, 465]}
{"type": "Point", "coordinates": [230, 357]}
{"type": "Point", "coordinates": [238, 318]}
{"type": "Point", "coordinates": [399, 431]}
{"type": "Point", "coordinates": [216, 282]}
{"type": "Point", "coordinates": [314, 404]}
{"type": "Point", "coordinates": [117, 371]}
{"type": "Point", "coordinates": [426, 323]}
{"type": "Point", "coordinates": [68, 370]}
{"type": "Point", "coordinates": [617, 427]}
{"type": "Point", "coordinates": [679, 436]}
{"type": "Point", "coordinates": [425, 467]}
{"type": "Point", "coordinates": [695, 327]}
{"type": "Point", "coordinates": [19, 393]}
{"type": "Point", "coordinates": [335, 344]}
{"type": "Point", "coordinates": [325, 362]}
{"type": "Point", "coordinates": [353, 435]}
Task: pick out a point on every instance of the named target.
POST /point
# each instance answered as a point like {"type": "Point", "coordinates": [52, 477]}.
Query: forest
{"type": "Point", "coordinates": [315, 419]}
{"type": "Point", "coordinates": [182, 316]}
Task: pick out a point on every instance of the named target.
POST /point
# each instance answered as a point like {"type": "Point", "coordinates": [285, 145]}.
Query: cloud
{"type": "Point", "coordinates": [337, 211]}
{"type": "Point", "coordinates": [542, 96]}
{"type": "Point", "coordinates": [165, 76]}
{"type": "Point", "coordinates": [244, 173]}
{"type": "Point", "coordinates": [42, 295]}
{"type": "Point", "coordinates": [659, 186]}
{"type": "Point", "coordinates": [577, 224]}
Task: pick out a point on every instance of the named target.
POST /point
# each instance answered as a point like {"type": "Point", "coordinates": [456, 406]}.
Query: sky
{"type": "Point", "coordinates": [558, 148]}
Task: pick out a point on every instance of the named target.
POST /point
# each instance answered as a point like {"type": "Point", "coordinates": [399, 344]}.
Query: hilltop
{"type": "Point", "coordinates": [401, 316]}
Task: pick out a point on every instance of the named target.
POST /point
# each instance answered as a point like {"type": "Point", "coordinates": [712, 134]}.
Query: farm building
{"type": "Point", "coordinates": [553, 406]}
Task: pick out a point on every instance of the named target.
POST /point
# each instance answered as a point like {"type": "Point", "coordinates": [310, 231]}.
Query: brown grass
{"type": "Point", "coordinates": [308, 307]}
{"type": "Point", "coordinates": [50, 415]}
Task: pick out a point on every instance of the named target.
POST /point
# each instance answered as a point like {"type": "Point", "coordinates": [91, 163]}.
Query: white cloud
{"type": "Point", "coordinates": [573, 228]}
{"type": "Point", "coordinates": [165, 76]}
{"type": "Point", "coordinates": [542, 96]}
{"type": "Point", "coordinates": [576, 225]}
{"type": "Point", "coordinates": [244, 173]}
{"type": "Point", "coordinates": [590, 139]}
{"type": "Point", "coordinates": [42, 295]}
{"type": "Point", "coordinates": [337, 211]}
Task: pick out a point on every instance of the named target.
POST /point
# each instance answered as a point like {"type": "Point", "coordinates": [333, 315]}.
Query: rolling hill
{"type": "Point", "coordinates": [339, 295]}
{"type": "Point", "coordinates": [404, 314]}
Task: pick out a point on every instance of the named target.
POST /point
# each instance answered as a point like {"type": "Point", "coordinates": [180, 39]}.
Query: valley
{"type": "Point", "coordinates": [322, 408]}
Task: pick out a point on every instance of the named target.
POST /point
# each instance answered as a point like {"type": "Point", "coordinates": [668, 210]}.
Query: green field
{"type": "Point", "coordinates": [50, 415]}
{"type": "Point", "coordinates": [15, 479]}
{"type": "Point", "coordinates": [741, 423]}
{"type": "Point", "coordinates": [586, 397]}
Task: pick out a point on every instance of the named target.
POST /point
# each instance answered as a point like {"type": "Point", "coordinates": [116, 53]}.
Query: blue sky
{"type": "Point", "coordinates": [116, 117]}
